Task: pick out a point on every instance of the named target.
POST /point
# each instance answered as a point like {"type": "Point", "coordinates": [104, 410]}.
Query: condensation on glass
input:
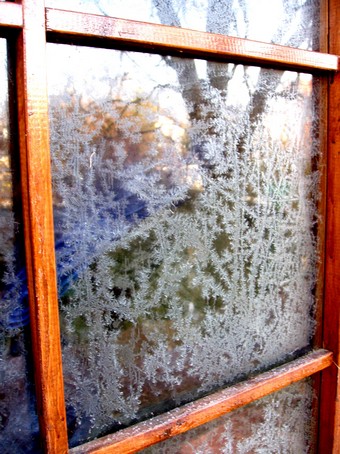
{"type": "Point", "coordinates": [185, 215]}
{"type": "Point", "coordinates": [283, 422]}
{"type": "Point", "coordinates": [18, 418]}
{"type": "Point", "coordinates": [287, 22]}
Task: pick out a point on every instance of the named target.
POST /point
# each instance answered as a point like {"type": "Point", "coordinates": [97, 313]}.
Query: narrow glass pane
{"type": "Point", "coordinates": [288, 22]}
{"type": "Point", "coordinates": [283, 422]}
{"type": "Point", "coordinates": [184, 204]}
{"type": "Point", "coordinates": [18, 418]}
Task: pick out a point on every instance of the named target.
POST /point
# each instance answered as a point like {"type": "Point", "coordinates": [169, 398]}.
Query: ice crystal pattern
{"type": "Point", "coordinates": [185, 218]}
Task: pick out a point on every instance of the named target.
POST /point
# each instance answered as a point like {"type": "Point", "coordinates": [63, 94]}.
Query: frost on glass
{"type": "Point", "coordinates": [287, 22]}
{"type": "Point", "coordinates": [185, 219]}
{"type": "Point", "coordinates": [18, 419]}
{"type": "Point", "coordinates": [283, 422]}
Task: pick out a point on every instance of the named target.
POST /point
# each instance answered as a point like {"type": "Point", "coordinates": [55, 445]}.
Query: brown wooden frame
{"type": "Point", "coordinates": [31, 23]}
{"type": "Point", "coordinates": [163, 38]}
{"type": "Point", "coordinates": [38, 224]}
{"type": "Point", "coordinates": [329, 439]}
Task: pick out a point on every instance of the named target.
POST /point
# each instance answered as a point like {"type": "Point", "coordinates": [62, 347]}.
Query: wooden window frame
{"type": "Point", "coordinates": [28, 25]}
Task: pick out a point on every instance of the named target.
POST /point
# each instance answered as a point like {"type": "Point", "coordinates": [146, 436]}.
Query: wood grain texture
{"type": "Point", "coordinates": [10, 15]}
{"type": "Point", "coordinates": [208, 408]}
{"type": "Point", "coordinates": [329, 426]}
{"type": "Point", "coordinates": [162, 38]}
{"type": "Point", "coordinates": [38, 226]}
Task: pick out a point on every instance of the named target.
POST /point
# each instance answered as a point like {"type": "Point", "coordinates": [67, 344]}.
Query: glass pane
{"type": "Point", "coordinates": [283, 422]}
{"type": "Point", "coordinates": [184, 218]}
{"type": "Point", "coordinates": [287, 22]}
{"type": "Point", "coordinates": [18, 418]}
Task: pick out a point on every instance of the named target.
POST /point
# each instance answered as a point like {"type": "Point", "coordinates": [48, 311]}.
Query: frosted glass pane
{"type": "Point", "coordinates": [184, 215]}
{"type": "Point", "coordinates": [18, 418]}
{"type": "Point", "coordinates": [288, 22]}
{"type": "Point", "coordinates": [283, 422]}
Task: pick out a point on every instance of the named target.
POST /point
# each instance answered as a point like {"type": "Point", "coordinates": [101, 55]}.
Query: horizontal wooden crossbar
{"type": "Point", "coordinates": [208, 408]}
{"type": "Point", "coordinates": [10, 15]}
{"type": "Point", "coordinates": [162, 38]}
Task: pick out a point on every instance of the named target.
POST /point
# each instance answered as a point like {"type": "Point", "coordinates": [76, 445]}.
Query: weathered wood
{"type": "Point", "coordinates": [208, 408]}
{"type": "Point", "coordinates": [162, 38]}
{"type": "Point", "coordinates": [10, 15]}
{"type": "Point", "coordinates": [329, 426]}
{"type": "Point", "coordinates": [38, 226]}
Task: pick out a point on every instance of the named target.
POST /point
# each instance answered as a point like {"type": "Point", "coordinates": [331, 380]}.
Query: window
{"type": "Point", "coordinates": [180, 260]}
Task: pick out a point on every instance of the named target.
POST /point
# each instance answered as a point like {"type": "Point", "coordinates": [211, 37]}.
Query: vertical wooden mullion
{"type": "Point", "coordinates": [38, 225]}
{"type": "Point", "coordinates": [329, 426]}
